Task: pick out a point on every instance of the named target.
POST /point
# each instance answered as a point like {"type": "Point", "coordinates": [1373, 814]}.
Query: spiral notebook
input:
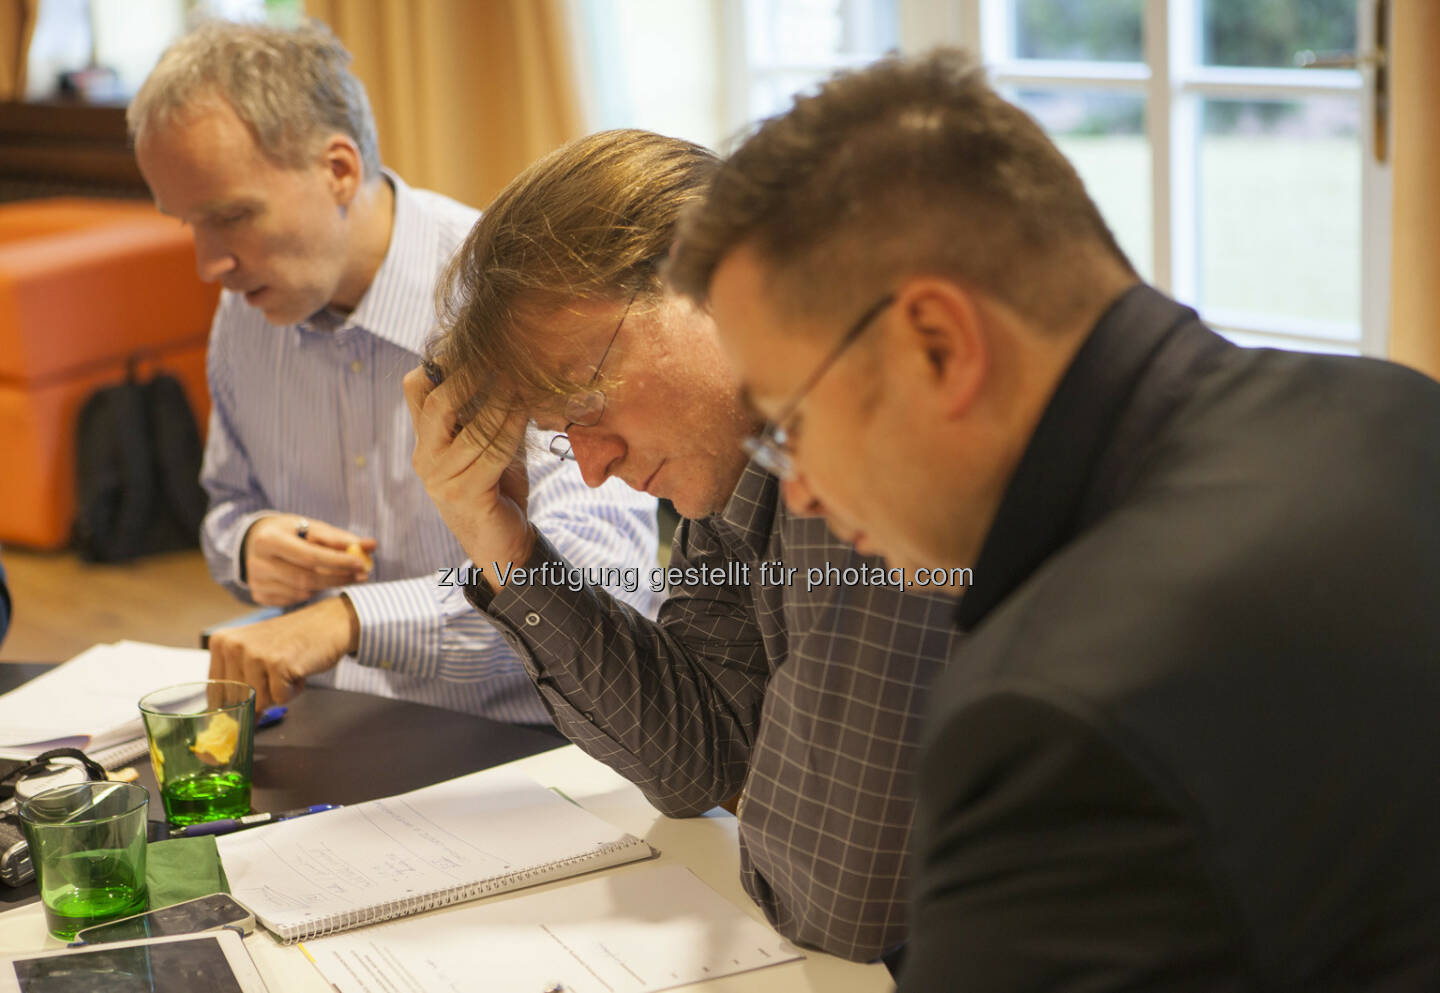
{"type": "Point", "coordinates": [485, 833]}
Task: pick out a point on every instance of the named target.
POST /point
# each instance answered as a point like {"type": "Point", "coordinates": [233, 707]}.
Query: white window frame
{"type": "Point", "coordinates": [1173, 84]}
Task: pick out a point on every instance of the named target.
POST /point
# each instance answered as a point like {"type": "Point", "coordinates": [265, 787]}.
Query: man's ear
{"type": "Point", "coordinates": [344, 169]}
{"type": "Point", "coordinates": [943, 329]}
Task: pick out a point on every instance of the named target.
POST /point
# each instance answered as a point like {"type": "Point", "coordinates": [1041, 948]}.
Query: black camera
{"type": "Point", "coordinates": [20, 780]}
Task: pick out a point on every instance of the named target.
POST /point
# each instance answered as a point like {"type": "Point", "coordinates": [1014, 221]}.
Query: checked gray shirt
{"type": "Point", "coordinates": [811, 703]}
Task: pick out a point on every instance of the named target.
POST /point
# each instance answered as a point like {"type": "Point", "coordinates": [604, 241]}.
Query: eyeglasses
{"type": "Point", "coordinates": [586, 408]}
{"type": "Point", "coordinates": [770, 447]}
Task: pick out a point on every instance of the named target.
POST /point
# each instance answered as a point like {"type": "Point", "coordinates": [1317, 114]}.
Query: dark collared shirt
{"type": "Point", "coordinates": [810, 701]}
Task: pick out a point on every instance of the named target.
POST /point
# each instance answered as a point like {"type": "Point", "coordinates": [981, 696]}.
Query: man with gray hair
{"type": "Point", "coordinates": [261, 139]}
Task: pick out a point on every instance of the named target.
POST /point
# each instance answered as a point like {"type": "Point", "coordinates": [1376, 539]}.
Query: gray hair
{"type": "Point", "coordinates": [292, 87]}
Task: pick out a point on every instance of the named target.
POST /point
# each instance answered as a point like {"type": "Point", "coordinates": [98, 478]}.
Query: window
{"type": "Point", "coordinates": [102, 50]}
{"type": "Point", "coordinates": [781, 47]}
{"type": "Point", "coordinates": [1236, 181]}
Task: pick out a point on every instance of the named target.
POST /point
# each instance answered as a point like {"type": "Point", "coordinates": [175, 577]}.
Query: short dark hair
{"type": "Point", "coordinates": [909, 165]}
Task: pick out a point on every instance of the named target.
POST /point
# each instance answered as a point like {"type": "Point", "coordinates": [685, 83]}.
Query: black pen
{"type": "Point", "coordinates": [228, 824]}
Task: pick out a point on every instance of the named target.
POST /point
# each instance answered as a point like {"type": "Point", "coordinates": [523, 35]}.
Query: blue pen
{"type": "Point", "coordinates": [269, 716]}
{"type": "Point", "coordinates": [228, 824]}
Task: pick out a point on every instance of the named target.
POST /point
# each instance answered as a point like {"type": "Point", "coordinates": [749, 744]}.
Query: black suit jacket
{"type": "Point", "coordinates": [1193, 739]}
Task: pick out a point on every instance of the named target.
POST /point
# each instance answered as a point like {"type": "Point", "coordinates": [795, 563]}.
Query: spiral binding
{"type": "Point", "coordinates": [604, 856]}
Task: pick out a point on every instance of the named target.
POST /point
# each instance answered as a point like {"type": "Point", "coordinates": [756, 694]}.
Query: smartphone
{"type": "Point", "coordinates": [215, 963]}
{"type": "Point", "coordinates": [206, 913]}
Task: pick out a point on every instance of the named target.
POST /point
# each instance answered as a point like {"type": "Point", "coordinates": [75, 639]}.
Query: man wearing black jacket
{"type": "Point", "coordinates": [1190, 740]}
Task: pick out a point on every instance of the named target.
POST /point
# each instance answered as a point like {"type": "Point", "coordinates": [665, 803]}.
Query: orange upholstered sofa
{"type": "Point", "coordinates": [86, 288]}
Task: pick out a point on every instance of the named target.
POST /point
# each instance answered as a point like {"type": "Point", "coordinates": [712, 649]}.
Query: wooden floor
{"type": "Point", "coordinates": [63, 606]}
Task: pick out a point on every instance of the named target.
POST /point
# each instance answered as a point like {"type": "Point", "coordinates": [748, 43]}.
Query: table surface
{"type": "Point", "coordinates": [340, 747]}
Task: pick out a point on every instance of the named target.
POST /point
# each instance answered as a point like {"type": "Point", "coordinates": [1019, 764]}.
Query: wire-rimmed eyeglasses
{"type": "Point", "coordinates": [587, 407]}
{"type": "Point", "coordinates": [770, 447]}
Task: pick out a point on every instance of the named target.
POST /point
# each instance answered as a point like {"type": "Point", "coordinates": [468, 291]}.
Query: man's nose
{"type": "Point", "coordinates": [800, 498]}
{"type": "Point", "coordinates": [212, 260]}
{"type": "Point", "coordinates": [596, 453]}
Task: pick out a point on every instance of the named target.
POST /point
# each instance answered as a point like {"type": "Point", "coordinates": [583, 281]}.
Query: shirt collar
{"type": "Point", "coordinates": [1045, 504]}
{"type": "Point", "coordinates": [749, 514]}
{"type": "Point", "coordinates": [398, 306]}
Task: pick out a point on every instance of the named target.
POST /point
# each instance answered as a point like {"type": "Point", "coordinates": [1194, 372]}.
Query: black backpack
{"type": "Point", "coordinates": [137, 478]}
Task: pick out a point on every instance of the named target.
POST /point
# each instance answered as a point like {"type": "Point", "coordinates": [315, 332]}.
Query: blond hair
{"type": "Point", "coordinates": [292, 87]}
{"type": "Point", "coordinates": [589, 222]}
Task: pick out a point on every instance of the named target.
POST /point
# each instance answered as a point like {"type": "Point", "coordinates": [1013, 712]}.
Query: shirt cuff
{"type": "Point", "coordinates": [519, 610]}
{"type": "Point", "coordinates": [401, 626]}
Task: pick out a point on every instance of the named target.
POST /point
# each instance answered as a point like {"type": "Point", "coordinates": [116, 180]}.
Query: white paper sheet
{"type": "Point", "coordinates": [92, 701]}
{"type": "Point", "coordinates": [634, 931]}
{"type": "Point", "coordinates": [484, 833]}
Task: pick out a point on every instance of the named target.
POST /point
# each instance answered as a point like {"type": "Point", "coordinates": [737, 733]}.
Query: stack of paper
{"type": "Point", "coordinates": [92, 701]}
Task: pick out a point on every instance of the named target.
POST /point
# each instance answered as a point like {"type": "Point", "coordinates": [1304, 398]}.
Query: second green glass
{"type": "Point", "coordinates": [202, 747]}
{"type": "Point", "coordinates": [87, 841]}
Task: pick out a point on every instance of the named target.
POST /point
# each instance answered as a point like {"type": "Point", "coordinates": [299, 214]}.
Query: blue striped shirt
{"type": "Point", "coordinates": [310, 419]}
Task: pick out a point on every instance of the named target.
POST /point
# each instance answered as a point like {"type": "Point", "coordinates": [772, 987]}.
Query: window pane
{"type": "Point", "coordinates": [1280, 213]}
{"type": "Point", "coordinates": [1103, 134]}
{"type": "Point", "coordinates": [786, 32]}
{"type": "Point", "coordinates": [1247, 33]}
{"type": "Point", "coordinates": [1104, 30]}
{"type": "Point", "coordinates": [772, 93]}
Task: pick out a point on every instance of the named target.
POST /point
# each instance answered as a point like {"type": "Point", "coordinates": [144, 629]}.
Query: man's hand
{"type": "Point", "coordinates": [275, 656]}
{"type": "Point", "coordinates": [481, 492]}
{"type": "Point", "coordinates": [282, 568]}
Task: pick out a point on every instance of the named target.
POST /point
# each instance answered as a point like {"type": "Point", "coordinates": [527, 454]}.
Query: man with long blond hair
{"type": "Point", "coordinates": [784, 668]}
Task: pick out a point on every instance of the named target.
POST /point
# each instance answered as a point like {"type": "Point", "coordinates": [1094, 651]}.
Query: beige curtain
{"type": "Point", "coordinates": [466, 93]}
{"type": "Point", "coordinates": [17, 25]}
{"type": "Point", "coordinates": [1415, 231]}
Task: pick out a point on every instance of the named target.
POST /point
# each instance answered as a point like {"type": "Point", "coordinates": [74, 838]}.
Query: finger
{"type": "Point", "coordinates": [298, 573]}
{"type": "Point", "coordinates": [256, 676]}
{"type": "Point", "coordinates": [297, 568]}
{"type": "Point", "coordinates": [232, 659]}
{"type": "Point", "coordinates": [280, 688]}
{"type": "Point", "coordinates": [217, 658]}
{"type": "Point", "coordinates": [436, 428]}
{"type": "Point", "coordinates": [416, 386]}
{"type": "Point", "coordinates": [322, 550]}
{"type": "Point", "coordinates": [330, 536]}
{"type": "Point", "coordinates": [502, 454]}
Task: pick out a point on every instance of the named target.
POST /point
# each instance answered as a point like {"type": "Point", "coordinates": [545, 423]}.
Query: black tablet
{"type": "Point", "coordinates": [215, 962]}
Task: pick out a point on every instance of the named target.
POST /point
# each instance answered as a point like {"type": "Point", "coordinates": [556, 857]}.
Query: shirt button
{"type": "Point", "coordinates": [359, 461]}
{"type": "Point", "coordinates": [356, 366]}
{"type": "Point", "coordinates": [532, 619]}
